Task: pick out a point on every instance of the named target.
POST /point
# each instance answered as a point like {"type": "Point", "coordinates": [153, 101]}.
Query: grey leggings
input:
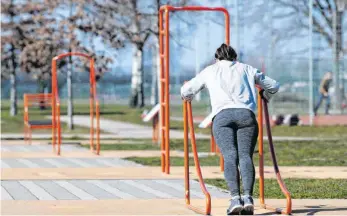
{"type": "Point", "coordinates": [236, 132]}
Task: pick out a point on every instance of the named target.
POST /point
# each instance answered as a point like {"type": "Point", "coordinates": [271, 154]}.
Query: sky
{"type": "Point", "coordinates": [201, 39]}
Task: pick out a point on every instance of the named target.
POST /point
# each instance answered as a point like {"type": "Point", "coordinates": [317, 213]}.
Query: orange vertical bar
{"type": "Point", "coordinates": [25, 118]}
{"type": "Point", "coordinates": [54, 83]}
{"type": "Point", "coordinates": [167, 92]}
{"type": "Point", "coordinates": [227, 27]}
{"type": "Point", "coordinates": [261, 151]}
{"type": "Point", "coordinates": [162, 99]}
{"type": "Point", "coordinates": [186, 154]}
{"type": "Point", "coordinates": [58, 128]}
{"type": "Point", "coordinates": [91, 104]}
{"type": "Point", "coordinates": [97, 108]}
{"type": "Point", "coordinates": [97, 128]}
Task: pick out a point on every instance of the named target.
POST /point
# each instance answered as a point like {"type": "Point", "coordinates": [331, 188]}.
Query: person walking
{"type": "Point", "coordinates": [323, 93]}
{"type": "Point", "coordinates": [233, 96]}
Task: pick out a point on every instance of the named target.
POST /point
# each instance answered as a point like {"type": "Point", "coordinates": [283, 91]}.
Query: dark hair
{"type": "Point", "coordinates": [225, 52]}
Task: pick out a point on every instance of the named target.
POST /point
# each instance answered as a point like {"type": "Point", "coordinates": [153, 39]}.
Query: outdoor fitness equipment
{"type": "Point", "coordinates": [188, 122]}
{"type": "Point", "coordinates": [164, 52]}
{"type": "Point", "coordinates": [93, 103]}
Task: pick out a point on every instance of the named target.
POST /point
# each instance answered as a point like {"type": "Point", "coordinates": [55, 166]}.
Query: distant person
{"type": "Point", "coordinates": [324, 94]}
{"type": "Point", "coordinates": [233, 97]}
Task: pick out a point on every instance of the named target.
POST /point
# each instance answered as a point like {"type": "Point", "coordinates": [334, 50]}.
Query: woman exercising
{"type": "Point", "coordinates": [233, 94]}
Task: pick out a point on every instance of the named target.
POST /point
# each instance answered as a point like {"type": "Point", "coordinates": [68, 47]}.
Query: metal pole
{"type": "Point", "coordinates": [310, 62]}
{"type": "Point", "coordinates": [69, 83]}
{"type": "Point", "coordinates": [271, 46]}
{"type": "Point", "coordinates": [197, 64]}
{"type": "Point", "coordinates": [236, 23]}
{"type": "Point", "coordinates": [335, 69]}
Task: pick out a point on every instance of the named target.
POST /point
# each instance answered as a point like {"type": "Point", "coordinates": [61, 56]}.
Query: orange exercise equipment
{"type": "Point", "coordinates": [188, 120]}
{"type": "Point", "coordinates": [93, 103]}
{"type": "Point", "coordinates": [164, 53]}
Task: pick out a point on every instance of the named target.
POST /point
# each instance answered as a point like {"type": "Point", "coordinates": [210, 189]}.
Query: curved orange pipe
{"type": "Point", "coordinates": [284, 190]}
{"type": "Point", "coordinates": [188, 120]}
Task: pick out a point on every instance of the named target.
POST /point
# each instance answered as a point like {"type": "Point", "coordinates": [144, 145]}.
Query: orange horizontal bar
{"type": "Point", "coordinates": [192, 8]}
{"type": "Point", "coordinates": [71, 54]}
{"type": "Point", "coordinates": [41, 126]}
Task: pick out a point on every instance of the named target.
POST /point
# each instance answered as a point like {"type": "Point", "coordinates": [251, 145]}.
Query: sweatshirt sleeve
{"type": "Point", "coordinates": [270, 86]}
{"type": "Point", "coordinates": [193, 86]}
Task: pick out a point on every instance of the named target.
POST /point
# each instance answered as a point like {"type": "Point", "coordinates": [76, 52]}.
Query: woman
{"type": "Point", "coordinates": [233, 94]}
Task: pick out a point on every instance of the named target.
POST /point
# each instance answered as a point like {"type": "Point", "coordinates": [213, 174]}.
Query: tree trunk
{"type": "Point", "coordinates": [13, 80]}
{"type": "Point", "coordinates": [14, 109]}
{"type": "Point", "coordinates": [339, 45]}
{"type": "Point", "coordinates": [69, 95]}
{"type": "Point", "coordinates": [337, 50]}
{"type": "Point", "coordinates": [137, 94]}
{"type": "Point", "coordinates": [155, 76]}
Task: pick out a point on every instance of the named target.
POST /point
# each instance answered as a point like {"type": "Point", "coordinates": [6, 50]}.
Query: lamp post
{"type": "Point", "coordinates": [310, 64]}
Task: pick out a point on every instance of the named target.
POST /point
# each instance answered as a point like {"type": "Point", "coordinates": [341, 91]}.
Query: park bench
{"type": "Point", "coordinates": [42, 102]}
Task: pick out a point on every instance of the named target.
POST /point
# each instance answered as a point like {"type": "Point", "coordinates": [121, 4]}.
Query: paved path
{"type": "Point", "coordinates": [124, 129]}
{"type": "Point", "coordinates": [69, 170]}
{"type": "Point", "coordinates": [107, 184]}
{"type": "Point", "coordinates": [159, 207]}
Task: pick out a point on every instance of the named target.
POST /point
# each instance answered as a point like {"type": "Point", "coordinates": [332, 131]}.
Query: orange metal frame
{"type": "Point", "coordinates": [30, 100]}
{"type": "Point", "coordinates": [284, 190]}
{"type": "Point", "coordinates": [164, 52]}
{"type": "Point", "coordinates": [93, 102]}
{"type": "Point", "coordinates": [263, 109]}
{"type": "Point", "coordinates": [188, 119]}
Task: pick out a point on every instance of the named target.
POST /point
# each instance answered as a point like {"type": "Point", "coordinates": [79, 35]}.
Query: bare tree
{"type": "Point", "coordinates": [127, 21]}
{"type": "Point", "coordinates": [52, 37]}
{"type": "Point", "coordinates": [19, 23]}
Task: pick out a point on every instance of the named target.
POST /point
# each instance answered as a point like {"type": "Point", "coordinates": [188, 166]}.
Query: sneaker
{"type": "Point", "coordinates": [235, 206]}
{"type": "Point", "coordinates": [248, 205]}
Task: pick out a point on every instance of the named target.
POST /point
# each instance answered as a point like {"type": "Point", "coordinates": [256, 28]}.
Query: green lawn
{"type": "Point", "coordinates": [299, 188]}
{"type": "Point", "coordinates": [14, 124]}
{"type": "Point", "coordinates": [146, 144]}
{"type": "Point", "coordinates": [307, 131]}
{"type": "Point", "coordinates": [292, 153]}
{"type": "Point", "coordinates": [124, 113]}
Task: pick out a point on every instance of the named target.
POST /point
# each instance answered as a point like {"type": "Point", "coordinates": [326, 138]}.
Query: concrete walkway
{"type": "Point", "coordinates": [159, 207]}
{"type": "Point", "coordinates": [124, 129]}
{"type": "Point", "coordinates": [109, 185]}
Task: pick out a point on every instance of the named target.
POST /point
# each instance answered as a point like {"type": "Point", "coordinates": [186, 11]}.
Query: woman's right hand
{"type": "Point", "coordinates": [262, 95]}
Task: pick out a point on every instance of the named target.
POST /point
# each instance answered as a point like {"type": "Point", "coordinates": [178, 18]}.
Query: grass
{"type": "Point", "coordinates": [126, 114]}
{"type": "Point", "coordinates": [289, 153]}
{"type": "Point", "coordinates": [14, 124]}
{"type": "Point", "coordinates": [146, 144]}
{"type": "Point", "coordinates": [299, 188]}
{"type": "Point", "coordinates": [308, 131]}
